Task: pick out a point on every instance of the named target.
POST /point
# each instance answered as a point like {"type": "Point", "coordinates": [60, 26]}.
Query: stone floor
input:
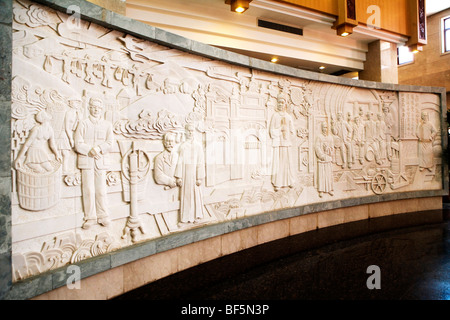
{"type": "Point", "coordinates": [412, 252]}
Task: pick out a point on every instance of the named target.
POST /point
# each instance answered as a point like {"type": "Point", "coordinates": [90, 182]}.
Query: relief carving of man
{"type": "Point", "coordinates": [93, 141]}
{"type": "Point", "coordinates": [165, 163]}
{"type": "Point", "coordinates": [343, 135]}
{"type": "Point", "coordinates": [358, 139]}
{"type": "Point", "coordinates": [66, 141]}
{"type": "Point", "coordinates": [426, 133]}
{"type": "Point", "coordinates": [370, 134]}
{"type": "Point", "coordinates": [189, 174]}
{"type": "Point", "coordinates": [381, 131]}
{"type": "Point", "coordinates": [389, 120]}
{"type": "Point", "coordinates": [324, 148]}
{"type": "Point", "coordinates": [281, 130]}
{"type": "Point", "coordinates": [348, 138]}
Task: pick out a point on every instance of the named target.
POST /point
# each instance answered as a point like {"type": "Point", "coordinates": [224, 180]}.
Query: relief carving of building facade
{"type": "Point", "coordinates": [122, 136]}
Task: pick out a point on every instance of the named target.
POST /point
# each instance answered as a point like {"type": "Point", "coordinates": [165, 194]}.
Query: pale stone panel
{"type": "Point", "coordinates": [239, 240]}
{"type": "Point", "coordinates": [303, 223]}
{"type": "Point", "coordinates": [330, 218]}
{"type": "Point", "coordinates": [157, 266]}
{"type": "Point", "coordinates": [101, 286]}
{"type": "Point", "coordinates": [434, 203]}
{"type": "Point", "coordinates": [273, 231]}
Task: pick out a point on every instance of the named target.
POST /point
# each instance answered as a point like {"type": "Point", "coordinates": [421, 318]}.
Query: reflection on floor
{"type": "Point", "coordinates": [411, 250]}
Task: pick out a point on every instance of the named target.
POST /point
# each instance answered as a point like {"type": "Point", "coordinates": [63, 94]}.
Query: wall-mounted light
{"type": "Point", "coordinates": [344, 30]}
{"type": "Point", "coordinates": [347, 17]}
{"type": "Point", "coordinates": [238, 6]}
{"type": "Point", "coordinates": [415, 48]}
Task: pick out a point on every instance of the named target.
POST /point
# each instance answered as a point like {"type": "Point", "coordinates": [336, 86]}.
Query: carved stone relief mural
{"type": "Point", "coordinates": [117, 140]}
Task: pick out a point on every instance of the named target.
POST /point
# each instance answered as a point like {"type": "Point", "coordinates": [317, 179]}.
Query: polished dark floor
{"type": "Point", "coordinates": [411, 250]}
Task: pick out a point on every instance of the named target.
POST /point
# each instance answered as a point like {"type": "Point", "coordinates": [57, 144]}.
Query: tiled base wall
{"type": "Point", "coordinates": [124, 278]}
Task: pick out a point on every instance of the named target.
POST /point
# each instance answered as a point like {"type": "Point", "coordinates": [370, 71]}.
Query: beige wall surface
{"type": "Point", "coordinates": [118, 6]}
{"type": "Point", "coordinates": [431, 67]}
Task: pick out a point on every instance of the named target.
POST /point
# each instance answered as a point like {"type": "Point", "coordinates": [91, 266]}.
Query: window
{"type": "Point", "coordinates": [446, 34]}
{"type": "Point", "coordinates": [404, 56]}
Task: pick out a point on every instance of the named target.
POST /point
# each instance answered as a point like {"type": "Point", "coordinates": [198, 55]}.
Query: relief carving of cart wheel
{"type": "Point", "coordinates": [379, 183]}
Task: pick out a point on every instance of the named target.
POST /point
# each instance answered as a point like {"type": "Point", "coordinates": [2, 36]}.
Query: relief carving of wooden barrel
{"type": "Point", "coordinates": [39, 191]}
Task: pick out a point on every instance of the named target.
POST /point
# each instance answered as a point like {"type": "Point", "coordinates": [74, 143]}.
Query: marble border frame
{"type": "Point", "coordinates": [53, 279]}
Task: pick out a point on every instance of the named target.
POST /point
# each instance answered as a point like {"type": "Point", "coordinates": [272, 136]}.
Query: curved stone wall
{"type": "Point", "coordinates": [127, 277]}
{"type": "Point", "coordinates": [128, 141]}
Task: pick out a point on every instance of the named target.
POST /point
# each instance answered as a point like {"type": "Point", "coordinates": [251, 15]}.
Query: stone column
{"type": "Point", "coordinates": [381, 63]}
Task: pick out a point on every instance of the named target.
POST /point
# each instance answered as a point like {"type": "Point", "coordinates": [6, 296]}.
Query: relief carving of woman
{"type": "Point", "coordinates": [34, 153]}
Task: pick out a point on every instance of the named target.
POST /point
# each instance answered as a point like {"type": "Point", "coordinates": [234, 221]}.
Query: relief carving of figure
{"type": "Point", "coordinates": [426, 133]}
{"type": "Point", "coordinates": [165, 163]}
{"type": "Point", "coordinates": [370, 134]}
{"type": "Point", "coordinates": [93, 141]}
{"type": "Point", "coordinates": [67, 63]}
{"type": "Point", "coordinates": [66, 140]}
{"type": "Point", "coordinates": [107, 73]}
{"type": "Point", "coordinates": [281, 130]}
{"type": "Point", "coordinates": [89, 70]}
{"type": "Point", "coordinates": [389, 120]}
{"type": "Point", "coordinates": [348, 137]}
{"type": "Point", "coordinates": [381, 131]}
{"type": "Point", "coordinates": [38, 174]}
{"type": "Point", "coordinates": [34, 153]}
{"type": "Point", "coordinates": [343, 135]}
{"type": "Point", "coordinates": [358, 139]}
{"type": "Point", "coordinates": [324, 148]}
{"type": "Point", "coordinates": [190, 173]}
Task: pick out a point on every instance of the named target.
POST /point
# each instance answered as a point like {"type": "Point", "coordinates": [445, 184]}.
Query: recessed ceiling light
{"type": "Point", "coordinates": [239, 6]}
{"type": "Point", "coordinates": [321, 67]}
{"type": "Point", "coordinates": [274, 59]}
